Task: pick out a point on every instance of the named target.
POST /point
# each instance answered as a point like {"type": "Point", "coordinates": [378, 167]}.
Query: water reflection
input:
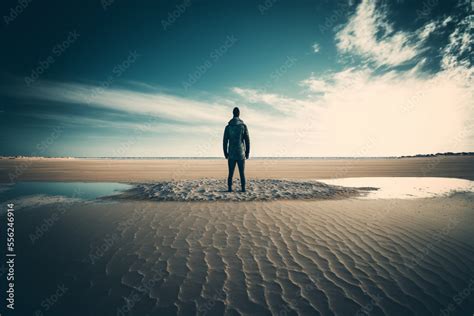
{"type": "Point", "coordinates": [406, 187]}
{"type": "Point", "coordinates": [72, 190]}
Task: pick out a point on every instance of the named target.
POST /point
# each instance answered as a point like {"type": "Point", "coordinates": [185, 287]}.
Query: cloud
{"type": "Point", "coordinates": [358, 112]}
{"type": "Point", "coordinates": [316, 48]}
{"type": "Point", "coordinates": [315, 85]}
{"type": "Point", "coordinates": [335, 81]}
{"type": "Point", "coordinates": [458, 52]}
{"type": "Point", "coordinates": [166, 113]}
{"type": "Point", "coordinates": [398, 113]}
{"type": "Point", "coordinates": [116, 123]}
{"type": "Point", "coordinates": [432, 27]}
{"type": "Point", "coordinates": [427, 30]}
{"type": "Point", "coordinates": [369, 34]}
{"type": "Point", "coordinates": [353, 111]}
{"type": "Point", "coordinates": [278, 103]}
{"type": "Point", "coordinates": [166, 106]}
{"type": "Point", "coordinates": [362, 111]}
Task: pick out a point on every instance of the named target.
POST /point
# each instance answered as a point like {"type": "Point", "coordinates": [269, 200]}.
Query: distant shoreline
{"type": "Point", "coordinates": [447, 154]}
{"type": "Point", "coordinates": [165, 169]}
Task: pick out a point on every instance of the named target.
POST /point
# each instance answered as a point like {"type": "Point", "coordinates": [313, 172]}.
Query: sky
{"type": "Point", "coordinates": [117, 78]}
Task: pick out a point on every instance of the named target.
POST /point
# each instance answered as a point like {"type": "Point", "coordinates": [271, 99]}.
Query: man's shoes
{"type": "Point", "coordinates": [243, 191]}
{"type": "Point", "coordinates": [229, 190]}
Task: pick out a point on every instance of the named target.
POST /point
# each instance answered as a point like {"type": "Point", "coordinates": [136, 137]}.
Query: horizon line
{"type": "Point", "coordinates": [255, 157]}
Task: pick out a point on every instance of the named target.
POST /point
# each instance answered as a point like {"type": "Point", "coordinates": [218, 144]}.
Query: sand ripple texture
{"type": "Point", "coordinates": [257, 190]}
{"type": "Point", "coordinates": [288, 258]}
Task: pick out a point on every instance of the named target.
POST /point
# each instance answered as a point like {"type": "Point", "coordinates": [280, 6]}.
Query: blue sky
{"type": "Point", "coordinates": [312, 78]}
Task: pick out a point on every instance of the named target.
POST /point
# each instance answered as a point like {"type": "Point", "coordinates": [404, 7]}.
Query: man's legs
{"type": "Point", "coordinates": [241, 164]}
{"type": "Point", "coordinates": [231, 163]}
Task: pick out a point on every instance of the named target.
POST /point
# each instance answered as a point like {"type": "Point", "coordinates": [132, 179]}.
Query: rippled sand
{"type": "Point", "coordinates": [394, 257]}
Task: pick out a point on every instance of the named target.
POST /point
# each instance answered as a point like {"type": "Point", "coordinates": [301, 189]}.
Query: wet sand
{"type": "Point", "coordinates": [154, 170]}
{"type": "Point", "coordinates": [338, 257]}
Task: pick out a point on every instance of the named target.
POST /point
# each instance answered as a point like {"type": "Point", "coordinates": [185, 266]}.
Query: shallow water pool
{"type": "Point", "coordinates": [406, 187]}
{"type": "Point", "coordinates": [73, 190]}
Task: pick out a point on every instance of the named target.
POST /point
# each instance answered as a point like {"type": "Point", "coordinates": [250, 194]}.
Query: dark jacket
{"type": "Point", "coordinates": [236, 140]}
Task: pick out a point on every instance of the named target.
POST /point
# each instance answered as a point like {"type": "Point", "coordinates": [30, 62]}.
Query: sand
{"type": "Point", "coordinates": [333, 257]}
{"type": "Point", "coordinates": [340, 255]}
{"type": "Point", "coordinates": [257, 190]}
{"type": "Point", "coordinates": [13, 170]}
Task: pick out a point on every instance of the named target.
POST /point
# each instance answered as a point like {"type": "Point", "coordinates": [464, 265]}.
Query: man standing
{"type": "Point", "coordinates": [236, 136]}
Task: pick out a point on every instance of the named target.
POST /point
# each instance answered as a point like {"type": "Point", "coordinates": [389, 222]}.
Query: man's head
{"type": "Point", "coordinates": [236, 112]}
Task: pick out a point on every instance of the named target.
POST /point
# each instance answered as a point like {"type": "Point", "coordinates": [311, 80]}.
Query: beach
{"type": "Point", "coordinates": [343, 257]}
{"type": "Point", "coordinates": [335, 253]}
{"type": "Point", "coordinates": [239, 158]}
{"type": "Point", "coordinates": [146, 170]}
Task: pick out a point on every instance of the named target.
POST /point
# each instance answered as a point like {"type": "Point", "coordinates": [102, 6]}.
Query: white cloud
{"type": "Point", "coordinates": [398, 114]}
{"type": "Point", "coordinates": [279, 103]}
{"type": "Point", "coordinates": [427, 30]}
{"type": "Point", "coordinates": [370, 35]}
{"type": "Point", "coordinates": [356, 111]}
{"type": "Point", "coordinates": [178, 111]}
{"type": "Point", "coordinates": [188, 122]}
{"type": "Point", "coordinates": [316, 48]}
{"type": "Point", "coordinates": [362, 113]}
{"type": "Point", "coordinates": [333, 82]}
{"type": "Point", "coordinates": [315, 85]}
{"type": "Point", "coordinates": [447, 20]}
{"type": "Point", "coordinates": [163, 105]}
{"type": "Point", "coordinates": [352, 112]}
{"type": "Point", "coordinates": [458, 52]}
